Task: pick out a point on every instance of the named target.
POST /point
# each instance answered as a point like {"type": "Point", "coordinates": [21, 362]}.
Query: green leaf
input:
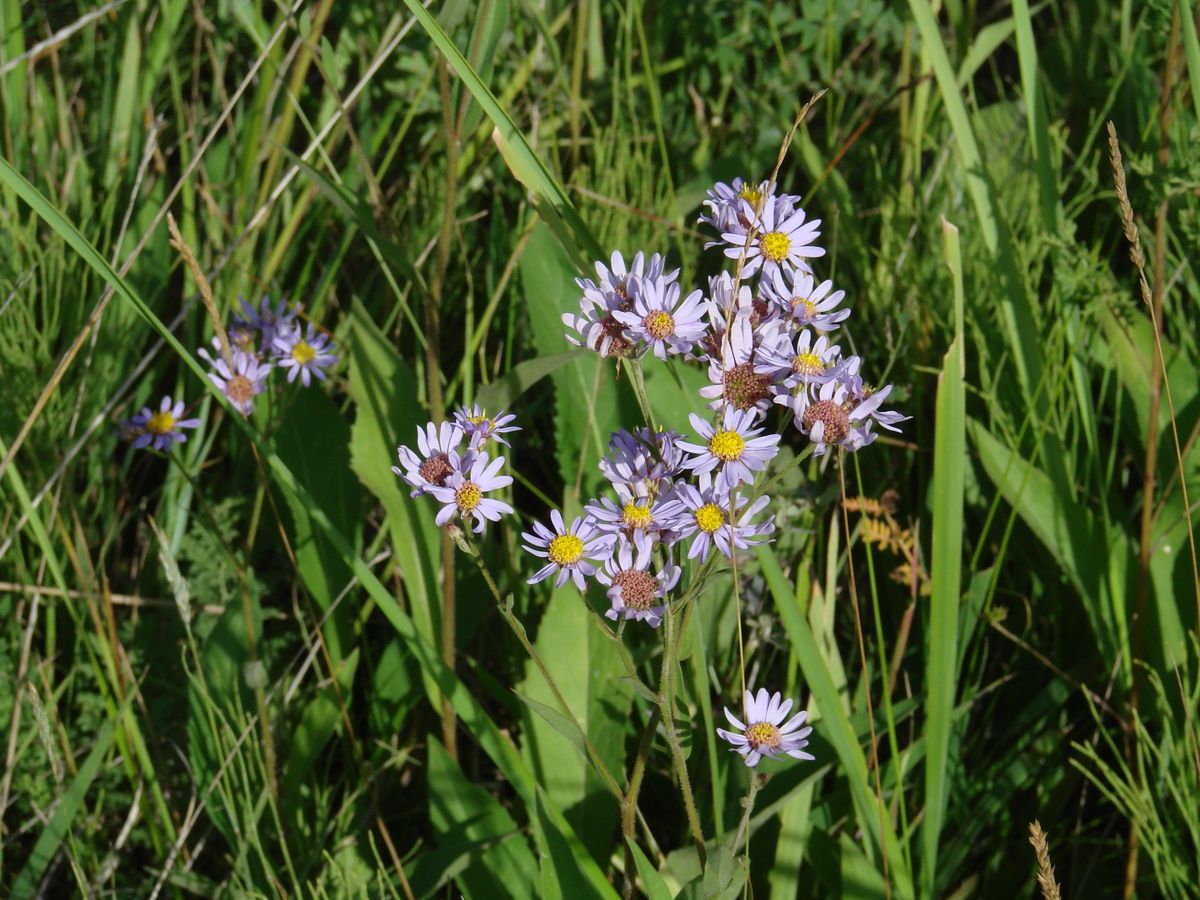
{"type": "Point", "coordinates": [503, 391]}
{"type": "Point", "coordinates": [574, 871]}
{"type": "Point", "coordinates": [941, 673]}
{"type": "Point", "coordinates": [653, 883]}
{"type": "Point", "coordinates": [314, 442]}
{"type": "Point", "coordinates": [460, 810]}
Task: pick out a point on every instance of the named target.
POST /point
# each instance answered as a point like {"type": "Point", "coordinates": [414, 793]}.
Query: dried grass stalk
{"type": "Point", "coordinates": [1041, 846]}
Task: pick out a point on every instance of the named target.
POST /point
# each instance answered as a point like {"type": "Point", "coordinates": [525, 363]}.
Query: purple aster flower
{"type": "Point", "coordinates": [570, 551]}
{"type": "Point", "coordinates": [642, 459]}
{"type": "Point", "coordinates": [463, 491]}
{"type": "Point", "coordinates": [480, 428]}
{"type": "Point", "coordinates": [267, 321]}
{"type": "Point", "coordinates": [704, 513]}
{"type": "Point", "coordinates": [159, 430]}
{"type": "Point", "coordinates": [725, 201]}
{"type": "Point", "coordinates": [810, 305]}
{"type": "Point", "coordinates": [803, 364]}
{"type": "Point", "coordinates": [636, 514]}
{"type": "Point", "coordinates": [596, 327]}
{"type": "Point", "coordinates": [735, 447]}
{"type": "Point", "coordinates": [439, 459]}
{"type": "Point", "coordinates": [632, 587]}
{"type": "Point", "coordinates": [764, 732]}
{"type": "Point", "coordinates": [304, 353]}
{"type": "Point", "coordinates": [781, 239]}
{"type": "Point", "coordinates": [661, 321]}
{"type": "Point", "coordinates": [241, 381]}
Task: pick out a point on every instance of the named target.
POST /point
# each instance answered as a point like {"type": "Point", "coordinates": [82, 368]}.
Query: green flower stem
{"type": "Point", "coordinates": [666, 701]}
{"type": "Point", "coordinates": [756, 782]}
{"type": "Point", "coordinates": [629, 803]}
{"type": "Point", "coordinates": [467, 544]}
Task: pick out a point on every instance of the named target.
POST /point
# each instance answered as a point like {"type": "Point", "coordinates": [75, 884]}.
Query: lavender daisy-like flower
{"type": "Point", "coordinates": [463, 491]}
{"type": "Point", "coordinates": [596, 327]}
{"type": "Point", "coordinates": [633, 588]}
{"type": "Point", "coordinates": [304, 353]}
{"type": "Point", "coordinates": [802, 364]}
{"type": "Point", "coordinates": [159, 430]}
{"type": "Point", "coordinates": [810, 305]}
{"type": "Point", "coordinates": [267, 321]}
{"type": "Point", "coordinates": [642, 459]}
{"type": "Point", "coordinates": [240, 381]}
{"type": "Point", "coordinates": [735, 447]}
{"type": "Point", "coordinates": [782, 239]}
{"type": "Point", "coordinates": [569, 551]}
{"type": "Point", "coordinates": [636, 515]}
{"type": "Point", "coordinates": [439, 457]}
{"type": "Point", "coordinates": [480, 428]}
{"type": "Point", "coordinates": [764, 732]}
{"type": "Point", "coordinates": [724, 202]}
{"type": "Point", "coordinates": [703, 514]}
{"type": "Point", "coordinates": [660, 320]}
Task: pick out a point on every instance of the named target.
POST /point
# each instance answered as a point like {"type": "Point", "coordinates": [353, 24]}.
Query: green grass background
{"type": "Point", "coordinates": [223, 674]}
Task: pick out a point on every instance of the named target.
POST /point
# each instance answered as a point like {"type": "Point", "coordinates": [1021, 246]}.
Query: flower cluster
{"type": "Point", "coordinates": [765, 333]}
{"type": "Point", "coordinates": [452, 465]}
{"type": "Point", "coordinates": [668, 494]}
{"type": "Point", "coordinates": [260, 340]}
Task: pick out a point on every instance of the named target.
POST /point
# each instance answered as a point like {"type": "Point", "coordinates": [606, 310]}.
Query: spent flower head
{"type": "Point", "coordinates": [765, 733]}
{"type": "Point", "coordinates": [438, 459]}
{"type": "Point", "coordinates": [634, 589]}
{"type": "Point", "coordinates": [240, 380]}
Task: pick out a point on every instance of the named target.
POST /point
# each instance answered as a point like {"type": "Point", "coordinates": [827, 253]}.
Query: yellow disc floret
{"type": "Point", "coordinates": [303, 353]}
{"type": "Point", "coordinates": [750, 194]}
{"type": "Point", "coordinates": [634, 516]}
{"type": "Point", "coordinates": [161, 423]}
{"type": "Point", "coordinates": [726, 445]}
{"type": "Point", "coordinates": [808, 364]}
{"type": "Point", "coordinates": [775, 245]}
{"type": "Point", "coordinates": [763, 734]}
{"type": "Point", "coordinates": [566, 550]}
{"type": "Point", "coordinates": [710, 517]}
{"type": "Point", "coordinates": [659, 324]}
{"type": "Point", "coordinates": [810, 308]}
{"type": "Point", "coordinates": [468, 496]}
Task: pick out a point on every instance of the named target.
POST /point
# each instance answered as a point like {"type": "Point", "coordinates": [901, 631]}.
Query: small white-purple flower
{"type": "Point", "coordinates": [765, 733]}
{"type": "Point", "coordinates": [633, 589]}
{"type": "Point", "coordinates": [438, 460]}
{"type": "Point", "coordinates": [660, 320]}
{"type": "Point", "coordinates": [480, 428]}
{"type": "Point", "coordinates": [781, 238]}
{"type": "Point", "coordinates": [736, 448]}
{"type": "Point", "coordinates": [839, 417]}
{"type": "Point", "coordinates": [636, 514]}
{"type": "Point", "coordinates": [267, 321]}
{"type": "Point", "coordinates": [642, 459]}
{"type": "Point", "coordinates": [734, 379]}
{"type": "Point", "coordinates": [241, 380]}
{"type": "Point", "coordinates": [704, 515]}
{"type": "Point", "coordinates": [810, 305]}
{"type": "Point", "coordinates": [304, 353]}
{"type": "Point", "coordinates": [464, 491]}
{"type": "Point", "coordinates": [569, 551]}
{"type": "Point", "coordinates": [159, 430]}
{"type": "Point", "coordinates": [805, 363]}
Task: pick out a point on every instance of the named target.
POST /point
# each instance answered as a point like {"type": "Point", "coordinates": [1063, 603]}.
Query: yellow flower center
{"type": "Point", "coordinates": [710, 517]}
{"type": "Point", "coordinates": [659, 324]}
{"type": "Point", "coordinates": [479, 420]}
{"type": "Point", "coordinates": [726, 445]}
{"type": "Point", "coordinates": [634, 516]}
{"type": "Point", "coordinates": [161, 423]}
{"type": "Point", "coordinates": [303, 353]}
{"type": "Point", "coordinates": [750, 194]}
{"type": "Point", "coordinates": [566, 550]}
{"type": "Point", "coordinates": [775, 245]}
{"type": "Point", "coordinates": [763, 734]}
{"type": "Point", "coordinates": [468, 496]}
{"type": "Point", "coordinates": [808, 364]}
{"type": "Point", "coordinates": [810, 308]}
